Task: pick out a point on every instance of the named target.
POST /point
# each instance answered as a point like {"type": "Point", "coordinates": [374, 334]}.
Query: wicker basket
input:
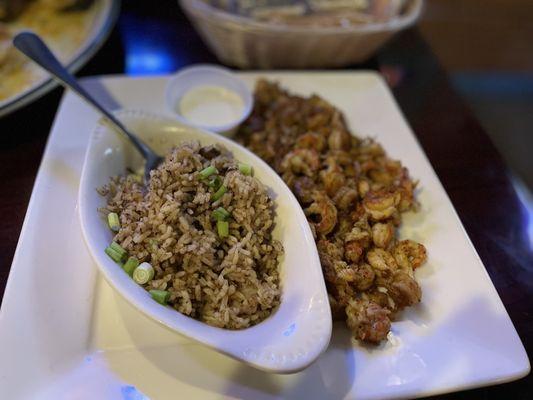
{"type": "Point", "coordinates": [247, 43]}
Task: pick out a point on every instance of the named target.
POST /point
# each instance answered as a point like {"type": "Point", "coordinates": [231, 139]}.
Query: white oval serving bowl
{"type": "Point", "coordinates": [296, 333]}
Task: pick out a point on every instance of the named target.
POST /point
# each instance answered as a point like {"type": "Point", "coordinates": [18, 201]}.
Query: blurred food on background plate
{"type": "Point", "coordinates": [324, 13]}
{"type": "Point", "coordinates": [64, 24]}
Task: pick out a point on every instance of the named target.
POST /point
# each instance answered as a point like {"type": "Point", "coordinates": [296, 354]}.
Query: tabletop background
{"type": "Point", "coordinates": [151, 40]}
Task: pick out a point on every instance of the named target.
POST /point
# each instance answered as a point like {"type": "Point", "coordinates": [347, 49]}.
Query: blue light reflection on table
{"type": "Point", "coordinates": [131, 393]}
{"type": "Point", "coordinates": [148, 50]}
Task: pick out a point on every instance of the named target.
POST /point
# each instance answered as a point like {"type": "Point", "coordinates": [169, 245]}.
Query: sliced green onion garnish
{"type": "Point", "coordinates": [137, 178]}
{"type": "Point", "coordinates": [223, 229]}
{"type": "Point", "coordinates": [139, 171]}
{"type": "Point", "coordinates": [221, 214]}
{"type": "Point", "coordinates": [219, 193]}
{"type": "Point", "coordinates": [143, 273]}
{"type": "Point", "coordinates": [123, 253]}
{"type": "Point", "coordinates": [245, 169]}
{"type": "Point", "coordinates": [161, 296]}
{"type": "Point", "coordinates": [214, 182]}
{"type": "Point", "coordinates": [115, 255]}
{"type": "Point", "coordinates": [117, 247]}
{"type": "Point", "coordinates": [130, 265]}
{"type": "Point", "coordinates": [207, 172]}
{"type": "Point", "coordinates": [113, 222]}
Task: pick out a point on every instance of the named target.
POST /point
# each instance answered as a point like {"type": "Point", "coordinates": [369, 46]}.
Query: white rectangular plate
{"type": "Point", "coordinates": [64, 334]}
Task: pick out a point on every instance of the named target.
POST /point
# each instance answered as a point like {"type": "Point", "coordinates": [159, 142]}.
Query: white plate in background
{"type": "Point", "coordinates": [62, 325]}
{"type": "Point", "coordinates": [104, 20]}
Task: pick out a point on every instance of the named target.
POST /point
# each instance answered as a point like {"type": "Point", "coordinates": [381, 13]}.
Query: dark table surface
{"type": "Point", "coordinates": [158, 40]}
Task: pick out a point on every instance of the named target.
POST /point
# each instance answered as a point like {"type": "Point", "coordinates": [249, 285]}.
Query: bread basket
{"type": "Point", "coordinates": [248, 43]}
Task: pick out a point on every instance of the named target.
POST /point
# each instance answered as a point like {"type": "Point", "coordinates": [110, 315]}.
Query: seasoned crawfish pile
{"type": "Point", "coordinates": [353, 195]}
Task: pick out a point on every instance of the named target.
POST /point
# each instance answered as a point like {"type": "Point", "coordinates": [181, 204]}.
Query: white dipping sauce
{"type": "Point", "coordinates": [211, 106]}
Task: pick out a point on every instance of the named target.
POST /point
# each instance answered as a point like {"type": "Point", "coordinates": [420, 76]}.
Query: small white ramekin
{"type": "Point", "coordinates": [208, 75]}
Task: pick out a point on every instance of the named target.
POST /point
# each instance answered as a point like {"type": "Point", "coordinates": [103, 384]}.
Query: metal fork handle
{"type": "Point", "coordinates": [33, 47]}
